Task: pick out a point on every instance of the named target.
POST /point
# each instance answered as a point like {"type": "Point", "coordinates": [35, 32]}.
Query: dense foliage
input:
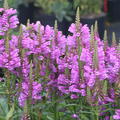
{"type": "Point", "coordinates": [89, 7]}
{"type": "Point", "coordinates": [49, 76]}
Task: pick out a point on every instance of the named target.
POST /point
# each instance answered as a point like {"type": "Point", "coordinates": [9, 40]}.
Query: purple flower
{"type": "Point", "coordinates": [74, 116]}
{"type": "Point", "coordinates": [24, 94]}
{"type": "Point", "coordinates": [117, 114]}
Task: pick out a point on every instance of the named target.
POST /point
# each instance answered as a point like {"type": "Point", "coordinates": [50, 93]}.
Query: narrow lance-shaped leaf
{"type": "Point", "coordinates": [10, 113]}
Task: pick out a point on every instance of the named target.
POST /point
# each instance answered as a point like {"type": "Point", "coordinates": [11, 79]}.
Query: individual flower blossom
{"type": "Point", "coordinates": [14, 41]}
{"type": "Point", "coordinates": [29, 43]}
{"type": "Point", "coordinates": [1, 79]}
{"type": "Point", "coordinates": [108, 99]}
{"type": "Point", "coordinates": [72, 28]}
{"type": "Point", "coordinates": [71, 42]}
{"type": "Point", "coordinates": [49, 33]}
{"type": "Point", "coordinates": [107, 118]}
{"type": "Point", "coordinates": [75, 75]}
{"type": "Point", "coordinates": [14, 61]}
{"type": "Point", "coordinates": [25, 68]}
{"type": "Point", "coordinates": [86, 56]}
{"type": "Point", "coordinates": [91, 80]}
{"type": "Point", "coordinates": [53, 68]}
{"type": "Point", "coordinates": [24, 94]}
{"type": "Point", "coordinates": [74, 89]}
{"type": "Point", "coordinates": [43, 69]}
{"type": "Point", "coordinates": [101, 73]}
{"type": "Point", "coordinates": [63, 83]}
{"type": "Point", "coordinates": [38, 27]}
{"type": "Point", "coordinates": [85, 36]}
{"type": "Point", "coordinates": [2, 47]}
{"type": "Point", "coordinates": [117, 114]}
{"type": "Point", "coordinates": [74, 116]}
{"type": "Point", "coordinates": [10, 61]}
{"type": "Point", "coordinates": [62, 40]}
{"type": "Point", "coordinates": [56, 53]}
{"type": "Point", "coordinates": [13, 21]}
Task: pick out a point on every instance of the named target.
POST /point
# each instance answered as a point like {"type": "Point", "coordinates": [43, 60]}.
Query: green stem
{"type": "Point", "coordinates": [56, 113]}
{"type": "Point", "coordinates": [7, 74]}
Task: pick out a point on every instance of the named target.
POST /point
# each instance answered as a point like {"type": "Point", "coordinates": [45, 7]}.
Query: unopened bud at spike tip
{"type": "Point", "coordinates": [96, 27]}
{"type": "Point", "coordinates": [105, 38]}
{"type": "Point", "coordinates": [92, 38]}
{"type": "Point", "coordinates": [28, 22]}
{"type": "Point", "coordinates": [56, 25]}
{"type": "Point", "coordinates": [92, 32]}
{"type": "Point", "coordinates": [113, 39]}
{"type": "Point", "coordinates": [5, 5]}
{"type": "Point", "coordinates": [78, 17]}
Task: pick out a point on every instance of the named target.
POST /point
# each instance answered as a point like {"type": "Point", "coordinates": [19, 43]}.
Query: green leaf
{"type": "Point", "coordinates": [2, 118]}
{"type": "Point", "coordinates": [49, 118]}
{"type": "Point", "coordinates": [10, 113]}
{"type": "Point", "coordinates": [3, 106]}
{"type": "Point", "coordinates": [69, 105]}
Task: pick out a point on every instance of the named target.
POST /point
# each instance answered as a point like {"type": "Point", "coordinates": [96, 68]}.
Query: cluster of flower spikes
{"type": "Point", "coordinates": [86, 65]}
{"type": "Point", "coordinates": [70, 65]}
{"type": "Point", "coordinates": [40, 46]}
{"type": "Point", "coordinates": [11, 58]}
